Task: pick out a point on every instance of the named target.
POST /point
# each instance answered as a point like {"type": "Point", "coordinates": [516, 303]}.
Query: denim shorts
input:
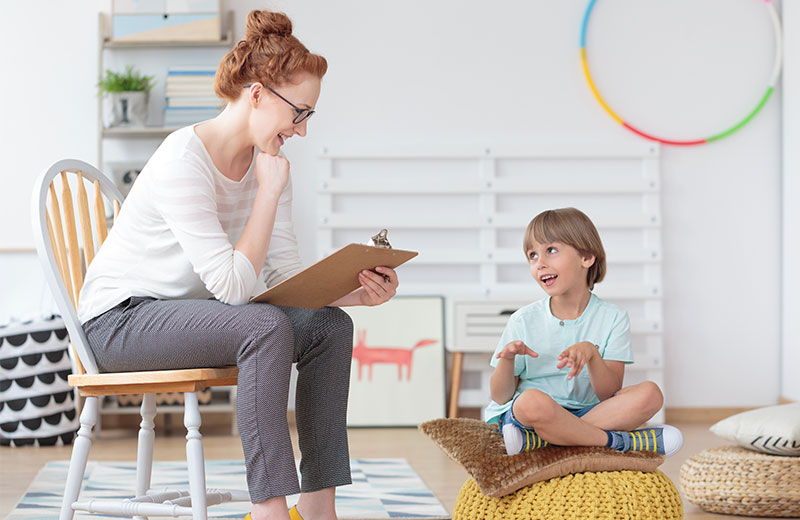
{"type": "Point", "coordinates": [508, 416]}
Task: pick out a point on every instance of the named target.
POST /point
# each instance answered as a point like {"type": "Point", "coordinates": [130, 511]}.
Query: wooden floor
{"type": "Point", "coordinates": [443, 477]}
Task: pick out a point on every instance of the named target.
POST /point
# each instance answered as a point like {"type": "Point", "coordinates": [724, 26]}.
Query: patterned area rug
{"type": "Point", "coordinates": [381, 488]}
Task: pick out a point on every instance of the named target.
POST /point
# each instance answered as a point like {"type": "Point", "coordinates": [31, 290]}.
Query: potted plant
{"type": "Point", "coordinates": [125, 97]}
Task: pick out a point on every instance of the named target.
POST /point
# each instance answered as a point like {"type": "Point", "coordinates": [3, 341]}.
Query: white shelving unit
{"type": "Point", "coordinates": [465, 209]}
{"type": "Point", "coordinates": [151, 58]}
{"type": "Point", "coordinates": [138, 143]}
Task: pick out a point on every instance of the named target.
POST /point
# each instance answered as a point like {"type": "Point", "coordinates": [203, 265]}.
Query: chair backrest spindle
{"type": "Point", "coordinates": [71, 231]}
{"type": "Point", "coordinates": [60, 244]}
{"type": "Point", "coordinates": [100, 224]}
{"type": "Point", "coordinates": [61, 252]}
{"type": "Point", "coordinates": [86, 222]}
{"type": "Point", "coordinates": [53, 241]}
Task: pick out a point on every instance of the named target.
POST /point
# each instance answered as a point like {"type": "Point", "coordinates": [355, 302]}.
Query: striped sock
{"type": "Point", "coordinates": [531, 440]}
{"type": "Point", "coordinates": [518, 440]}
{"type": "Point", "coordinates": [663, 439]}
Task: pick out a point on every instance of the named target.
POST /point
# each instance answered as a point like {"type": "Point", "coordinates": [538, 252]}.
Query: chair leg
{"type": "Point", "coordinates": [80, 455]}
{"type": "Point", "coordinates": [234, 415]}
{"type": "Point", "coordinates": [194, 456]}
{"type": "Point", "coordinates": [144, 456]}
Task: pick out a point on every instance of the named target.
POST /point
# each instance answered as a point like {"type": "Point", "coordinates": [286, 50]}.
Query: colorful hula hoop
{"type": "Point", "coordinates": [776, 70]}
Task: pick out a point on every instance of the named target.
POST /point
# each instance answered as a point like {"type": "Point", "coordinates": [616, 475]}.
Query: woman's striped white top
{"type": "Point", "coordinates": [175, 234]}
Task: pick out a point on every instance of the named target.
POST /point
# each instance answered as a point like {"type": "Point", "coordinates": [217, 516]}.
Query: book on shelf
{"type": "Point", "coordinates": [190, 80]}
{"type": "Point", "coordinates": [171, 91]}
{"type": "Point", "coordinates": [178, 70]}
{"type": "Point", "coordinates": [200, 85]}
{"type": "Point", "coordinates": [180, 116]}
{"type": "Point", "coordinates": [190, 95]}
{"type": "Point", "coordinates": [190, 76]}
{"type": "Point", "coordinates": [194, 101]}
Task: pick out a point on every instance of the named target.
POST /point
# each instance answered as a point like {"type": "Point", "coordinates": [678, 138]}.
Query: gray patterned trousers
{"type": "Point", "coordinates": [263, 341]}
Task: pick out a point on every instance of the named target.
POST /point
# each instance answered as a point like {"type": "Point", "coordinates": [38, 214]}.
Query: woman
{"type": "Point", "coordinates": [209, 212]}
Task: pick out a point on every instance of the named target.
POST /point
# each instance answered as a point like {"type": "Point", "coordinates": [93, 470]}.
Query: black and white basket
{"type": "Point", "coordinates": [37, 406]}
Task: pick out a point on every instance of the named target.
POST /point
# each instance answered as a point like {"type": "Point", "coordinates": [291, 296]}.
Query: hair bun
{"type": "Point", "coordinates": [261, 24]}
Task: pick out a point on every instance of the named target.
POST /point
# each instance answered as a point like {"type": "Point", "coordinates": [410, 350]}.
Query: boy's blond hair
{"type": "Point", "coordinates": [572, 227]}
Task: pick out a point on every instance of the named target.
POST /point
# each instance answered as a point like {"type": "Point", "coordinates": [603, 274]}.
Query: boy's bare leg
{"type": "Point", "coordinates": [628, 409]}
{"type": "Point", "coordinates": [631, 407]}
{"type": "Point", "coordinates": [536, 409]}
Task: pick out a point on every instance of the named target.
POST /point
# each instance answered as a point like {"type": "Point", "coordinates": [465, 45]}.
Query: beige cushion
{"type": "Point", "coordinates": [479, 448]}
{"type": "Point", "coordinates": [773, 429]}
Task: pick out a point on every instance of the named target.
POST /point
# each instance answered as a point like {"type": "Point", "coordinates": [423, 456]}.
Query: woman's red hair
{"type": "Point", "coordinates": [269, 54]}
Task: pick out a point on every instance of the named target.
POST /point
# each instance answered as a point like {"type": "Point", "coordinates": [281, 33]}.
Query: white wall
{"type": "Point", "coordinates": [790, 358]}
{"type": "Point", "coordinates": [48, 53]}
{"type": "Point", "coordinates": [454, 71]}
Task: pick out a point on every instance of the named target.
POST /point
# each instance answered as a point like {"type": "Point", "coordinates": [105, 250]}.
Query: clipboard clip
{"type": "Point", "coordinates": [380, 240]}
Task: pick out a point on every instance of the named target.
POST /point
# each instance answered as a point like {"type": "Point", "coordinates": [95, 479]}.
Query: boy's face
{"type": "Point", "coordinates": [558, 268]}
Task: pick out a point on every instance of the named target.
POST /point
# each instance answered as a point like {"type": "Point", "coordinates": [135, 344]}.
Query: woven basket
{"type": "Point", "coordinates": [613, 495]}
{"type": "Point", "coordinates": [163, 398]}
{"type": "Point", "coordinates": [737, 481]}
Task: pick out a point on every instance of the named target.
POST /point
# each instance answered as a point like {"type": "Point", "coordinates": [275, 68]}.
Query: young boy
{"type": "Point", "coordinates": [560, 362]}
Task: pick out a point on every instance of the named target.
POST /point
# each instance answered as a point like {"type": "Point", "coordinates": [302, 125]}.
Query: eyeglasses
{"type": "Point", "coordinates": [302, 113]}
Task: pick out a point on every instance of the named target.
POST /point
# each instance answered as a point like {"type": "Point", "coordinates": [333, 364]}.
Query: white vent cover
{"type": "Point", "coordinates": [479, 325]}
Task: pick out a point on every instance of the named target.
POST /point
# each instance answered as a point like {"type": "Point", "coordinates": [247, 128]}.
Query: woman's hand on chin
{"type": "Point", "coordinates": [272, 172]}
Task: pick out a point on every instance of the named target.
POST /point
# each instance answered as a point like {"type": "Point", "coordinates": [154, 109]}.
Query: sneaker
{"type": "Point", "coordinates": [518, 440]}
{"type": "Point", "coordinates": [663, 439]}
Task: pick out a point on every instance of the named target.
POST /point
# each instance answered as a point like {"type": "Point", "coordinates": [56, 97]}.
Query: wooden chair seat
{"type": "Point", "coordinates": [155, 381]}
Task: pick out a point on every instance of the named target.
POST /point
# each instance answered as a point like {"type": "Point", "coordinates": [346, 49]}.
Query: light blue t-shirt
{"type": "Point", "coordinates": [602, 323]}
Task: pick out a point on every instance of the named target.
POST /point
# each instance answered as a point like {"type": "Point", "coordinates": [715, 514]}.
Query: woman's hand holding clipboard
{"type": "Point", "coordinates": [334, 276]}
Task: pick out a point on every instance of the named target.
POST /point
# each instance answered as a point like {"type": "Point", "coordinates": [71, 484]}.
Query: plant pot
{"type": "Point", "coordinates": [125, 108]}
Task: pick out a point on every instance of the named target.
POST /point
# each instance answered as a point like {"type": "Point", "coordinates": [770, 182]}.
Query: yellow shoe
{"type": "Point", "coordinates": [293, 514]}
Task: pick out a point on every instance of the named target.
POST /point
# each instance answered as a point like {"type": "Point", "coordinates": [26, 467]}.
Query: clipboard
{"type": "Point", "coordinates": [332, 277]}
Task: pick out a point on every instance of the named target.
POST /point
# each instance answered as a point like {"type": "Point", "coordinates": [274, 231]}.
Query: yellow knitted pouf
{"type": "Point", "coordinates": [590, 495]}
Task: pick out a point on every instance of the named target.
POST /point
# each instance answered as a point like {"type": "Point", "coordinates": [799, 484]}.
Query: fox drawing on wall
{"type": "Point", "coordinates": [368, 356]}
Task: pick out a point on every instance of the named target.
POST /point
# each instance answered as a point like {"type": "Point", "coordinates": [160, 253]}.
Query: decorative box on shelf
{"type": "Point", "coordinates": [37, 405]}
{"type": "Point", "coordinates": [165, 20]}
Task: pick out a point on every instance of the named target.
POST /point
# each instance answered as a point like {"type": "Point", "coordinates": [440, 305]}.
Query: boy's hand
{"type": "Point", "coordinates": [576, 356]}
{"type": "Point", "coordinates": [515, 348]}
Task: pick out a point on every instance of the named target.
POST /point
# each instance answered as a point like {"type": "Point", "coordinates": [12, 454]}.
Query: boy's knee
{"type": "Point", "coordinates": [651, 398]}
{"type": "Point", "coordinates": [534, 406]}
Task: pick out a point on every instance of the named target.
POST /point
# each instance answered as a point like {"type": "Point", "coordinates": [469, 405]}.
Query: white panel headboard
{"type": "Point", "coordinates": [465, 209]}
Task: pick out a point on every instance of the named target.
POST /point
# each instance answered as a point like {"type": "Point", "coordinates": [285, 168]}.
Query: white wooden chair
{"type": "Point", "coordinates": [63, 260]}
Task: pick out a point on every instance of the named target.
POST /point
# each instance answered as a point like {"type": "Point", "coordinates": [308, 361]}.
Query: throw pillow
{"type": "Point", "coordinates": [774, 429]}
{"type": "Point", "coordinates": [479, 448]}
